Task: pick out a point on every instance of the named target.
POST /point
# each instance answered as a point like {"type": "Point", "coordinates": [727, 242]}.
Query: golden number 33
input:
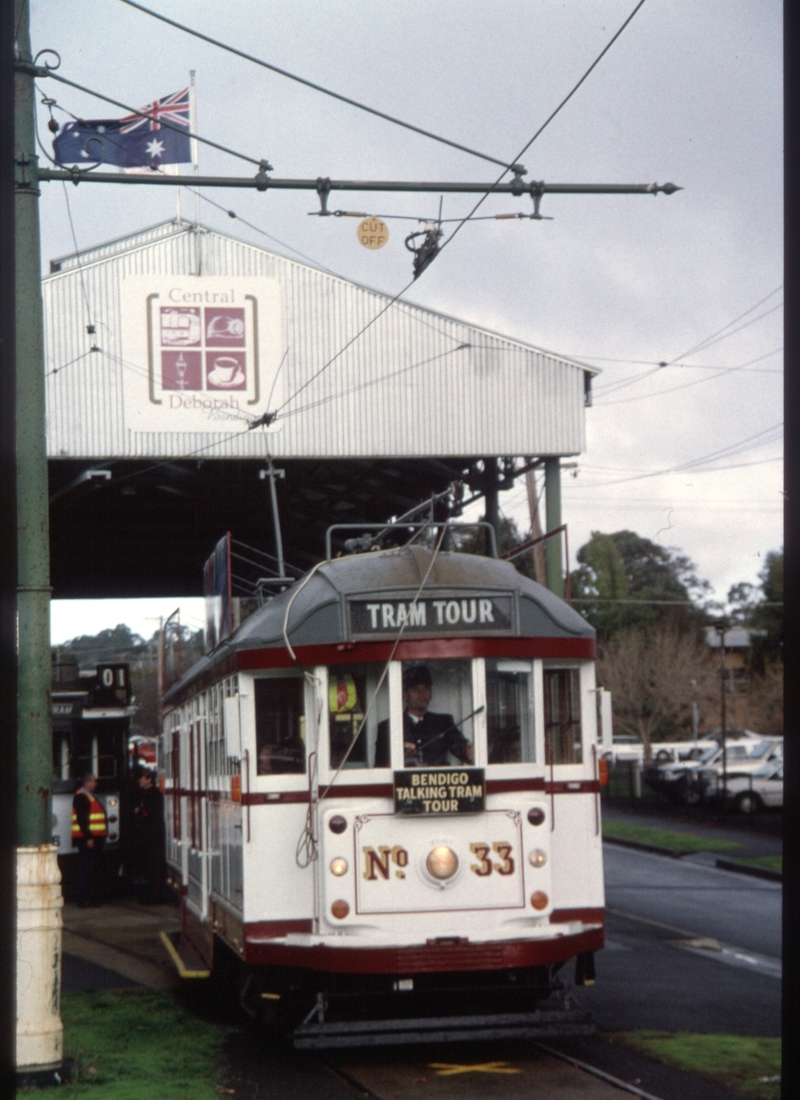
{"type": "Point", "coordinates": [485, 866]}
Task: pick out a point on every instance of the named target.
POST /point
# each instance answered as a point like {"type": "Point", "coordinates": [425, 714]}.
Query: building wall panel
{"type": "Point", "coordinates": [415, 383]}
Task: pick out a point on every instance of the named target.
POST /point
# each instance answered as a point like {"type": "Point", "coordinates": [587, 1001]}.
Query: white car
{"type": "Point", "coordinates": [751, 790]}
{"type": "Point", "coordinates": [693, 779]}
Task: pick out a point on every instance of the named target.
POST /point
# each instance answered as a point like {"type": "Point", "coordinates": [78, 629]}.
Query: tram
{"type": "Point", "coordinates": [382, 801]}
{"type": "Point", "coordinates": [91, 722]}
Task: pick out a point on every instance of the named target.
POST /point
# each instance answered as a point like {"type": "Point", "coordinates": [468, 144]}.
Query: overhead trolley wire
{"type": "Point", "coordinates": [312, 84]}
{"type": "Point", "coordinates": [463, 222]}
{"type": "Point", "coordinates": [720, 454]}
{"type": "Point", "coordinates": [546, 122]}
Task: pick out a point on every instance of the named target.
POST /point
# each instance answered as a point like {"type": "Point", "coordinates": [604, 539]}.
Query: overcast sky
{"type": "Point", "coordinates": [691, 92]}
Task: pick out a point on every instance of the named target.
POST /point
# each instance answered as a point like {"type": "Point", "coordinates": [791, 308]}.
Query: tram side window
{"type": "Point", "coordinates": [280, 726]}
{"type": "Point", "coordinates": [437, 713]}
{"type": "Point", "coordinates": [354, 742]}
{"type": "Point", "coordinates": [509, 717]}
{"type": "Point", "coordinates": [562, 716]}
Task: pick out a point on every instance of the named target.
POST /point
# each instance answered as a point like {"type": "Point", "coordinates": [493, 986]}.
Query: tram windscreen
{"type": "Point", "coordinates": [280, 726]}
{"type": "Point", "coordinates": [562, 716]}
{"type": "Point", "coordinates": [509, 712]}
{"type": "Point", "coordinates": [353, 696]}
{"type": "Point", "coordinates": [438, 714]}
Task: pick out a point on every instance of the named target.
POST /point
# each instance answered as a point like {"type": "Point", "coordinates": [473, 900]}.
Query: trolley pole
{"type": "Point", "coordinates": [39, 1030]}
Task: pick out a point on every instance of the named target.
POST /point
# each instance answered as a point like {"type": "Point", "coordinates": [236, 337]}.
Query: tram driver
{"type": "Point", "coordinates": [429, 738]}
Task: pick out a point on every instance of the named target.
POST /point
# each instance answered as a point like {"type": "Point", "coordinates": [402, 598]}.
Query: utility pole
{"type": "Point", "coordinates": [552, 505]}
{"type": "Point", "coordinates": [8, 572]}
{"type": "Point", "coordinates": [723, 716]}
{"type": "Point", "coordinates": [39, 1052]}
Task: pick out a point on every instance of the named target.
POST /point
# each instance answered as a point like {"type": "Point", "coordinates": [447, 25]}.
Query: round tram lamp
{"type": "Point", "coordinates": [536, 815]}
{"type": "Point", "coordinates": [340, 909]}
{"type": "Point", "coordinates": [538, 858]}
{"type": "Point", "coordinates": [337, 824]}
{"type": "Point", "coordinates": [539, 899]}
{"type": "Point", "coordinates": [373, 233]}
{"type": "Point", "coordinates": [442, 862]}
{"type": "Point", "coordinates": [338, 866]}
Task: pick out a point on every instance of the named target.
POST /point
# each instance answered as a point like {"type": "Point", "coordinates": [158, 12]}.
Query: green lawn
{"type": "Point", "coordinates": [137, 1044]}
{"type": "Point", "coordinates": [745, 1064]}
{"type": "Point", "coordinates": [666, 838]}
{"type": "Point", "coordinates": [772, 863]}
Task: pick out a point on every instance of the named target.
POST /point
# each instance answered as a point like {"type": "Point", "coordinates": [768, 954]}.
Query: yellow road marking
{"type": "Point", "coordinates": [450, 1069]}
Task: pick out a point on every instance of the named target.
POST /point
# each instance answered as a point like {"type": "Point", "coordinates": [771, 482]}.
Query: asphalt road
{"type": "Point", "coordinates": [648, 976]}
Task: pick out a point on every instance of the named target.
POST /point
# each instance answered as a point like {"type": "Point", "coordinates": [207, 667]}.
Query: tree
{"type": "Point", "coordinates": [625, 566]}
{"type": "Point", "coordinates": [650, 674]}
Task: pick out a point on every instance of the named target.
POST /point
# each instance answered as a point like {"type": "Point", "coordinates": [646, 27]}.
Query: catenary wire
{"type": "Point", "coordinates": [544, 125]}
{"type": "Point", "coordinates": [312, 84]}
{"type": "Point", "coordinates": [703, 343]}
{"type": "Point", "coordinates": [724, 371]}
{"type": "Point", "coordinates": [720, 454]}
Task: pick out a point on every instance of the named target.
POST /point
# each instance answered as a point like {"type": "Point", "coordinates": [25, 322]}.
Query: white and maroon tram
{"type": "Point", "coordinates": [382, 801]}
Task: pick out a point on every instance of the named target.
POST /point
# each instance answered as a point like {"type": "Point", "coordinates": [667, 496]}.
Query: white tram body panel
{"type": "Point", "coordinates": [307, 833]}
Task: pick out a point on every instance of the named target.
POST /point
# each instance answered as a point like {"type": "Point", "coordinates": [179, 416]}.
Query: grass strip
{"type": "Point", "coordinates": [666, 838]}
{"type": "Point", "coordinates": [136, 1044]}
{"type": "Point", "coordinates": [771, 863]}
{"type": "Point", "coordinates": [750, 1065]}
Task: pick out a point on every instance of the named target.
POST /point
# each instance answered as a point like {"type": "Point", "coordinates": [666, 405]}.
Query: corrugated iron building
{"type": "Point", "coordinates": [414, 396]}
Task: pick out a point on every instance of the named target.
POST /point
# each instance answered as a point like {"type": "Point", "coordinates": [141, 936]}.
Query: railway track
{"type": "Point", "coordinates": [483, 1075]}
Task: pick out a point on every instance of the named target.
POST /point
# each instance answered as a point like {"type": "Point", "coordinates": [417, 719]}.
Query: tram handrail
{"type": "Point", "coordinates": [406, 526]}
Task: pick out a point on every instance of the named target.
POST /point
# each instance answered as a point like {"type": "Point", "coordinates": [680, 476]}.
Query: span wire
{"type": "Point", "coordinates": [463, 222]}
{"type": "Point", "coordinates": [144, 114]}
{"type": "Point", "coordinates": [312, 84]}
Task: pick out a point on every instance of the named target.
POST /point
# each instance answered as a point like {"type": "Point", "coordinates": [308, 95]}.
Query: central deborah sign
{"type": "Point", "coordinates": [201, 353]}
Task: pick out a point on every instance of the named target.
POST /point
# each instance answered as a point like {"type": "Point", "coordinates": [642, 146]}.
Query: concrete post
{"type": "Point", "coordinates": [552, 497]}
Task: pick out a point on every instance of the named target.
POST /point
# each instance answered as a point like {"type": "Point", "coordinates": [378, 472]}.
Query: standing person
{"type": "Point", "coordinates": [89, 831]}
{"type": "Point", "coordinates": [149, 813]}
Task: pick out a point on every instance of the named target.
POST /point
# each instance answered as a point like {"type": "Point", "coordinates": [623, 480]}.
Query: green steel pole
{"type": "Point", "coordinates": [34, 738]}
{"type": "Point", "coordinates": [552, 501]}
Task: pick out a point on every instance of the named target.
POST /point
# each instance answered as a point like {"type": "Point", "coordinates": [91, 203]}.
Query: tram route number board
{"type": "Point", "coordinates": [434, 792]}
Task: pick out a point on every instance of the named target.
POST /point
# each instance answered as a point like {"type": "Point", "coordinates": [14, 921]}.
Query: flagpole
{"type": "Point", "coordinates": [194, 143]}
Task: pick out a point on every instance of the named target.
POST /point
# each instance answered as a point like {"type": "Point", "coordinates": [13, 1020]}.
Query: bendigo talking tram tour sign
{"type": "Point", "coordinates": [440, 791]}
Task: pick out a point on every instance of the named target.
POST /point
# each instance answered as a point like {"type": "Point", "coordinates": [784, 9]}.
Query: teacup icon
{"type": "Point", "coordinates": [226, 371]}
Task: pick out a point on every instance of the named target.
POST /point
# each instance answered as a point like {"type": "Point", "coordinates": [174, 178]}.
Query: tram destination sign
{"type": "Point", "coordinates": [432, 615]}
{"type": "Point", "coordinates": [437, 791]}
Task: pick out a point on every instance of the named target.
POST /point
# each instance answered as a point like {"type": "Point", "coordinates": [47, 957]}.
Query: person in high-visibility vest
{"type": "Point", "coordinates": [89, 831]}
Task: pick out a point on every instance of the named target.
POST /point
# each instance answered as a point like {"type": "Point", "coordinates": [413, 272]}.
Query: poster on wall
{"type": "Point", "coordinates": [202, 353]}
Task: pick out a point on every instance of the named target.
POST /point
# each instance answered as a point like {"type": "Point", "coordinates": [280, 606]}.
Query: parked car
{"type": "Point", "coordinates": [749, 790]}
{"type": "Point", "coordinates": [688, 780]}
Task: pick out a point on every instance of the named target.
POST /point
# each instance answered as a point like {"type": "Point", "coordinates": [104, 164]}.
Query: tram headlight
{"type": "Point", "coordinates": [340, 909]}
{"type": "Point", "coordinates": [536, 815]}
{"type": "Point", "coordinates": [538, 858]}
{"type": "Point", "coordinates": [442, 862]}
{"type": "Point", "coordinates": [337, 824]}
{"type": "Point", "coordinates": [338, 866]}
{"type": "Point", "coordinates": [539, 899]}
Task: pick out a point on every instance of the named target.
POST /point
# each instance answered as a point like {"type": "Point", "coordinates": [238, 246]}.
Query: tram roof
{"type": "Point", "coordinates": [320, 605]}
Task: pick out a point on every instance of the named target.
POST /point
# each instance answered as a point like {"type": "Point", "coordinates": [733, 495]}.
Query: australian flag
{"type": "Point", "coordinates": [132, 142]}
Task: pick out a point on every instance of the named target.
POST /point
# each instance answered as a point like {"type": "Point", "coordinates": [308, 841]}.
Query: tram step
{"type": "Point", "coordinates": [516, 1025]}
{"type": "Point", "coordinates": [184, 957]}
